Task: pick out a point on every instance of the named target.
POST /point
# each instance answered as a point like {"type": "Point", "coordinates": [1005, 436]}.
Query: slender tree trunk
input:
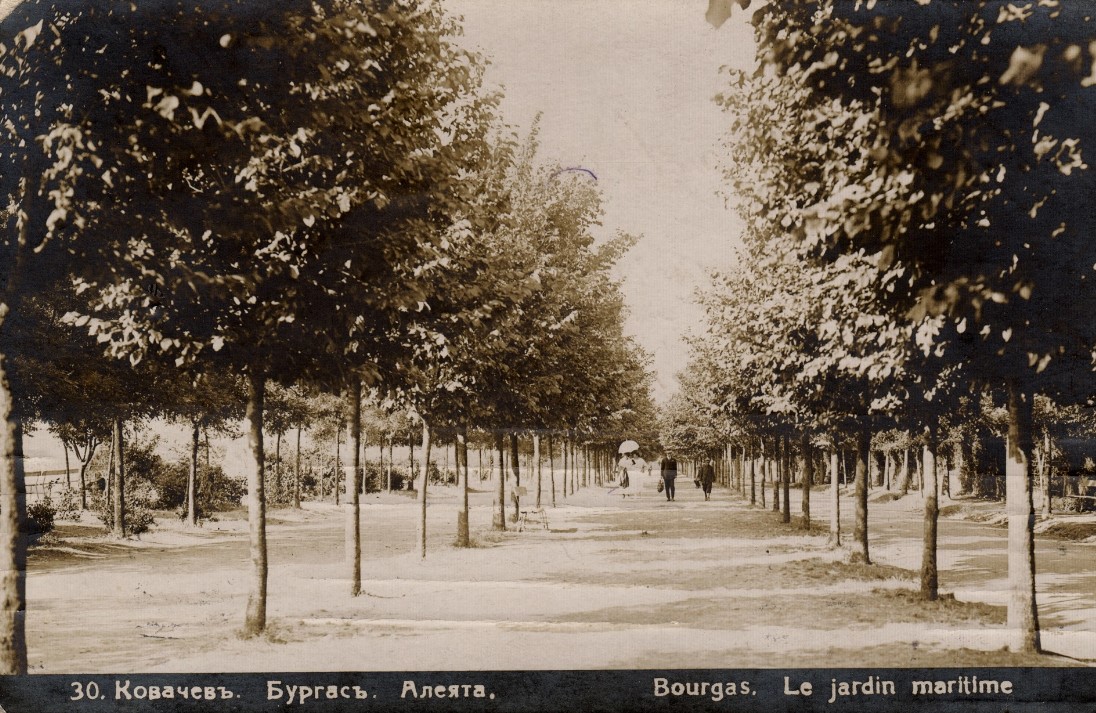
{"type": "Point", "coordinates": [930, 577]}
{"type": "Point", "coordinates": [354, 522]}
{"type": "Point", "coordinates": [90, 446]}
{"type": "Point", "coordinates": [785, 465]}
{"type": "Point", "coordinates": [753, 478]}
{"type": "Point", "coordinates": [192, 476]}
{"type": "Point", "coordinates": [255, 617]}
{"type": "Point", "coordinates": [945, 473]}
{"type": "Point", "coordinates": [422, 487]}
{"type": "Point", "coordinates": [391, 463]}
{"type": "Point", "coordinates": [83, 486]}
{"type": "Point", "coordinates": [338, 463]}
{"type": "Point", "coordinates": [808, 476]}
{"type": "Point", "coordinates": [463, 537]}
{"type": "Point", "coordinates": [536, 461]}
{"type": "Point", "coordinates": [498, 517]}
{"type": "Point", "coordinates": [119, 480]}
{"type": "Point", "coordinates": [515, 468]}
{"type": "Point", "coordinates": [278, 467]}
{"type": "Point", "coordinates": [876, 465]}
{"type": "Point", "coordinates": [552, 469]}
{"type": "Point", "coordinates": [1044, 473]}
{"type": "Point", "coordinates": [835, 499]}
{"type": "Point", "coordinates": [1023, 615]}
{"type": "Point", "coordinates": [774, 474]}
{"type": "Point", "coordinates": [764, 468]}
{"type": "Point", "coordinates": [297, 472]}
{"type": "Point", "coordinates": [13, 549]}
{"type": "Point", "coordinates": [110, 470]}
{"type": "Point", "coordinates": [563, 449]}
{"type": "Point", "coordinates": [905, 481]}
{"type": "Point", "coordinates": [585, 465]}
{"type": "Point", "coordinates": [411, 455]}
{"type": "Point", "coordinates": [68, 471]}
{"type": "Point", "coordinates": [860, 526]}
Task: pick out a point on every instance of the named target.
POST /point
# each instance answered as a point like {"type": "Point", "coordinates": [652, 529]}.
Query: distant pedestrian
{"type": "Point", "coordinates": [707, 477]}
{"type": "Point", "coordinates": [623, 466]}
{"type": "Point", "coordinates": [668, 468]}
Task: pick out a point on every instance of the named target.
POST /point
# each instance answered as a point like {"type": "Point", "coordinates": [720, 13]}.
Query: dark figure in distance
{"type": "Point", "coordinates": [669, 475]}
{"type": "Point", "coordinates": [707, 477]}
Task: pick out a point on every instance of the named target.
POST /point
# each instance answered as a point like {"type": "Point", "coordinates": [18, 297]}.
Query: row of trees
{"type": "Point", "coordinates": [915, 192]}
{"type": "Point", "coordinates": [273, 201]}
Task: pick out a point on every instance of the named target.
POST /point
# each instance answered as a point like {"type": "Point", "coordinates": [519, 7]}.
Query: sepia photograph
{"type": "Point", "coordinates": [547, 355]}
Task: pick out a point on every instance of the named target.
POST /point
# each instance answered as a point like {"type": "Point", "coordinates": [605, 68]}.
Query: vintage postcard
{"type": "Point", "coordinates": [545, 355]}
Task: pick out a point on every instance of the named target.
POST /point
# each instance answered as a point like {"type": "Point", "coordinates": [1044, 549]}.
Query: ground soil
{"type": "Point", "coordinates": [613, 582]}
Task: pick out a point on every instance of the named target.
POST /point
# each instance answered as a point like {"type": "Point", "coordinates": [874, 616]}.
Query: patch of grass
{"type": "Point", "coordinates": [824, 612]}
{"type": "Point", "coordinates": [1073, 531]}
{"type": "Point", "coordinates": [951, 510]}
{"type": "Point", "coordinates": [819, 570]}
{"type": "Point", "coordinates": [945, 610]}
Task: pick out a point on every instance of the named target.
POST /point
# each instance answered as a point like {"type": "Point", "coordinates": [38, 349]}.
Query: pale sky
{"type": "Point", "coordinates": [626, 88]}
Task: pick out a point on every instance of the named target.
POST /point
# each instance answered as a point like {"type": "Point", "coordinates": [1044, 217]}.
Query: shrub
{"type": "Point", "coordinates": [40, 517]}
{"type": "Point", "coordinates": [217, 491]}
{"type": "Point", "coordinates": [138, 500]}
{"type": "Point", "coordinates": [376, 478]}
{"type": "Point", "coordinates": [68, 504]}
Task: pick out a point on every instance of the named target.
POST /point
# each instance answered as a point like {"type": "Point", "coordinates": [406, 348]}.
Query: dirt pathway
{"type": "Point", "coordinates": [615, 582]}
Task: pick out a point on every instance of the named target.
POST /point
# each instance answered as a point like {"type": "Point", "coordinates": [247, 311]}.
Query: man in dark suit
{"type": "Point", "coordinates": [669, 474]}
{"type": "Point", "coordinates": [706, 476]}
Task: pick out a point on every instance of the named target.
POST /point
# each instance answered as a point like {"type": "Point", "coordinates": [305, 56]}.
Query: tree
{"type": "Point", "coordinates": [960, 159]}
{"type": "Point", "coordinates": [239, 193]}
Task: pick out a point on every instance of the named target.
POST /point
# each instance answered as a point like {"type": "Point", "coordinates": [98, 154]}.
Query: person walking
{"type": "Point", "coordinates": [707, 477]}
{"type": "Point", "coordinates": [669, 474]}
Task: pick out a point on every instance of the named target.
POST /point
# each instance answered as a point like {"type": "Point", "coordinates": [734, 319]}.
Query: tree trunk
{"type": "Point", "coordinates": [786, 476]}
{"type": "Point", "coordinates": [423, 481]}
{"type": "Point", "coordinates": [763, 466]}
{"type": "Point", "coordinates": [905, 481]}
{"type": "Point", "coordinates": [1044, 473]}
{"type": "Point", "coordinates": [515, 468]}
{"type": "Point", "coordinates": [552, 469]}
{"type": "Point", "coordinates": [929, 575]}
{"type": "Point", "coordinates": [498, 517]}
{"type": "Point", "coordinates": [192, 476]}
{"type": "Point", "coordinates": [110, 470]}
{"type": "Point", "coordinates": [297, 472]}
{"type": "Point", "coordinates": [411, 455]}
{"type": "Point", "coordinates": [338, 464]}
{"type": "Point", "coordinates": [585, 465]}
{"type": "Point", "coordinates": [536, 462]}
{"type": "Point", "coordinates": [565, 465]}
{"type": "Point", "coordinates": [860, 526]}
{"type": "Point", "coordinates": [876, 464]}
{"type": "Point", "coordinates": [808, 476]}
{"type": "Point", "coordinates": [353, 522]}
{"type": "Point", "coordinates": [774, 474]}
{"type": "Point", "coordinates": [278, 467]}
{"type": "Point", "coordinates": [753, 478]}
{"type": "Point", "coordinates": [463, 537]}
{"type": "Point", "coordinates": [391, 463]}
{"type": "Point", "coordinates": [835, 499]}
{"type": "Point", "coordinates": [68, 471]}
{"type": "Point", "coordinates": [255, 618]}
{"type": "Point", "coordinates": [13, 550]}
{"type": "Point", "coordinates": [85, 458]}
{"type": "Point", "coordinates": [1023, 615]}
{"type": "Point", "coordinates": [119, 480]}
